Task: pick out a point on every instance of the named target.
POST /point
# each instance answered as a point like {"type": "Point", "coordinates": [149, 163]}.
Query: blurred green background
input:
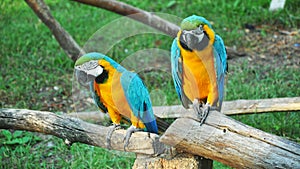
{"type": "Point", "coordinates": [37, 74]}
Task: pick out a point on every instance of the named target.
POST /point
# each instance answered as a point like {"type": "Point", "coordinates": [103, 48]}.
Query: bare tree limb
{"type": "Point", "coordinates": [74, 130]}
{"type": "Point", "coordinates": [135, 13]}
{"type": "Point", "coordinates": [235, 144]}
{"type": "Point", "coordinates": [261, 105]}
{"type": "Point", "coordinates": [235, 107]}
{"type": "Point", "coordinates": [65, 40]}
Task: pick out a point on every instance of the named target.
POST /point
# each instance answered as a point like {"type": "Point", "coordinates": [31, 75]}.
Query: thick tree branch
{"type": "Point", "coordinates": [65, 40]}
{"type": "Point", "coordinates": [226, 140]}
{"type": "Point", "coordinates": [74, 130]}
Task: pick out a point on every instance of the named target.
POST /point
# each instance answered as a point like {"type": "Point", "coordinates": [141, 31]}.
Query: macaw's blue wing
{"type": "Point", "coordinates": [139, 100]}
{"type": "Point", "coordinates": [220, 65]}
{"type": "Point", "coordinates": [97, 98]}
{"type": "Point", "coordinates": [177, 70]}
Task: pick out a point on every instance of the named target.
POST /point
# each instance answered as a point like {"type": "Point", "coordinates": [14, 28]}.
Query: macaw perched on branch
{"type": "Point", "coordinates": [198, 59]}
{"type": "Point", "coordinates": [118, 92]}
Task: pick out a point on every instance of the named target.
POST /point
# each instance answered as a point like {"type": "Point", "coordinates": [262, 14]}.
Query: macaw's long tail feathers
{"type": "Point", "coordinates": [162, 125]}
{"type": "Point", "coordinates": [151, 127]}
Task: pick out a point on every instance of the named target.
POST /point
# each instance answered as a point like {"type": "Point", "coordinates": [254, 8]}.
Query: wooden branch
{"type": "Point", "coordinates": [94, 116]}
{"type": "Point", "coordinates": [235, 107]}
{"type": "Point", "coordinates": [261, 105]}
{"type": "Point", "coordinates": [235, 144]}
{"type": "Point", "coordinates": [135, 13]}
{"type": "Point", "coordinates": [74, 130]}
{"type": "Point", "coordinates": [65, 40]}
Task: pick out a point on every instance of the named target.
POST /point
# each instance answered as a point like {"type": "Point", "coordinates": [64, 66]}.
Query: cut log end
{"type": "Point", "coordinates": [183, 160]}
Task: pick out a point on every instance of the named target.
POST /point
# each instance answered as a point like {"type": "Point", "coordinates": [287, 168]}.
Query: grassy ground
{"type": "Point", "coordinates": [36, 73]}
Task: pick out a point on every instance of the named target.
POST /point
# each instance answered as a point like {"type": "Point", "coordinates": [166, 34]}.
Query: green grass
{"type": "Point", "coordinates": [32, 64]}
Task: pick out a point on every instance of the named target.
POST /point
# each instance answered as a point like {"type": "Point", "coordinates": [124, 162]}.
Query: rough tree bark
{"type": "Point", "coordinates": [65, 40]}
{"type": "Point", "coordinates": [180, 161]}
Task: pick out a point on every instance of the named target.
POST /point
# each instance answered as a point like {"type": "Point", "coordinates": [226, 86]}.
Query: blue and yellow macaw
{"type": "Point", "coordinates": [199, 65]}
{"type": "Point", "coordinates": [118, 92]}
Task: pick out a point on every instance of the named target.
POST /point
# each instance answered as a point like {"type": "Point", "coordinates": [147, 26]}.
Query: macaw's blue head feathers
{"type": "Point", "coordinates": [193, 22]}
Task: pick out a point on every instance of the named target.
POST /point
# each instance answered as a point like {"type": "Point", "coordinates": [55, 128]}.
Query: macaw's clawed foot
{"type": "Point", "coordinates": [201, 109]}
{"type": "Point", "coordinates": [108, 138]}
{"type": "Point", "coordinates": [129, 132]}
{"type": "Point", "coordinates": [204, 112]}
{"type": "Point", "coordinates": [196, 106]}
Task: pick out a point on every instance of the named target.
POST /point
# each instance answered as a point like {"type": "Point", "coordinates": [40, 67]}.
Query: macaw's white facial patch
{"type": "Point", "coordinates": [95, 71]}
{"type": "Point", "coordinates": [92, 64]}
{"type": "Point", "coordinates": [90, 68]}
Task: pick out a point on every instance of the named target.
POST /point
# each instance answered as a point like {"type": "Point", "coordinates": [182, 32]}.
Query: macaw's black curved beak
{"type": "Point", "coordinates": [81, 77]}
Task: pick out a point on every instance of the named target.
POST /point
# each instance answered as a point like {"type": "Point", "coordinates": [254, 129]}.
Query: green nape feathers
{"type": "Point", "coordinates": [88, 57]}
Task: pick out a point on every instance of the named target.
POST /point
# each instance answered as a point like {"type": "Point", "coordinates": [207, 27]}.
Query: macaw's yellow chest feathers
{"type": "Point", "coordinates": [110, 90]}
{"type": "Point", "coordinates": [199, 76]}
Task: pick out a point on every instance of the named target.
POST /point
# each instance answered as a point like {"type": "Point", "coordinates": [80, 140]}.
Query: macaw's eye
{"type": "Point", "coordinates": [199, 30]}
